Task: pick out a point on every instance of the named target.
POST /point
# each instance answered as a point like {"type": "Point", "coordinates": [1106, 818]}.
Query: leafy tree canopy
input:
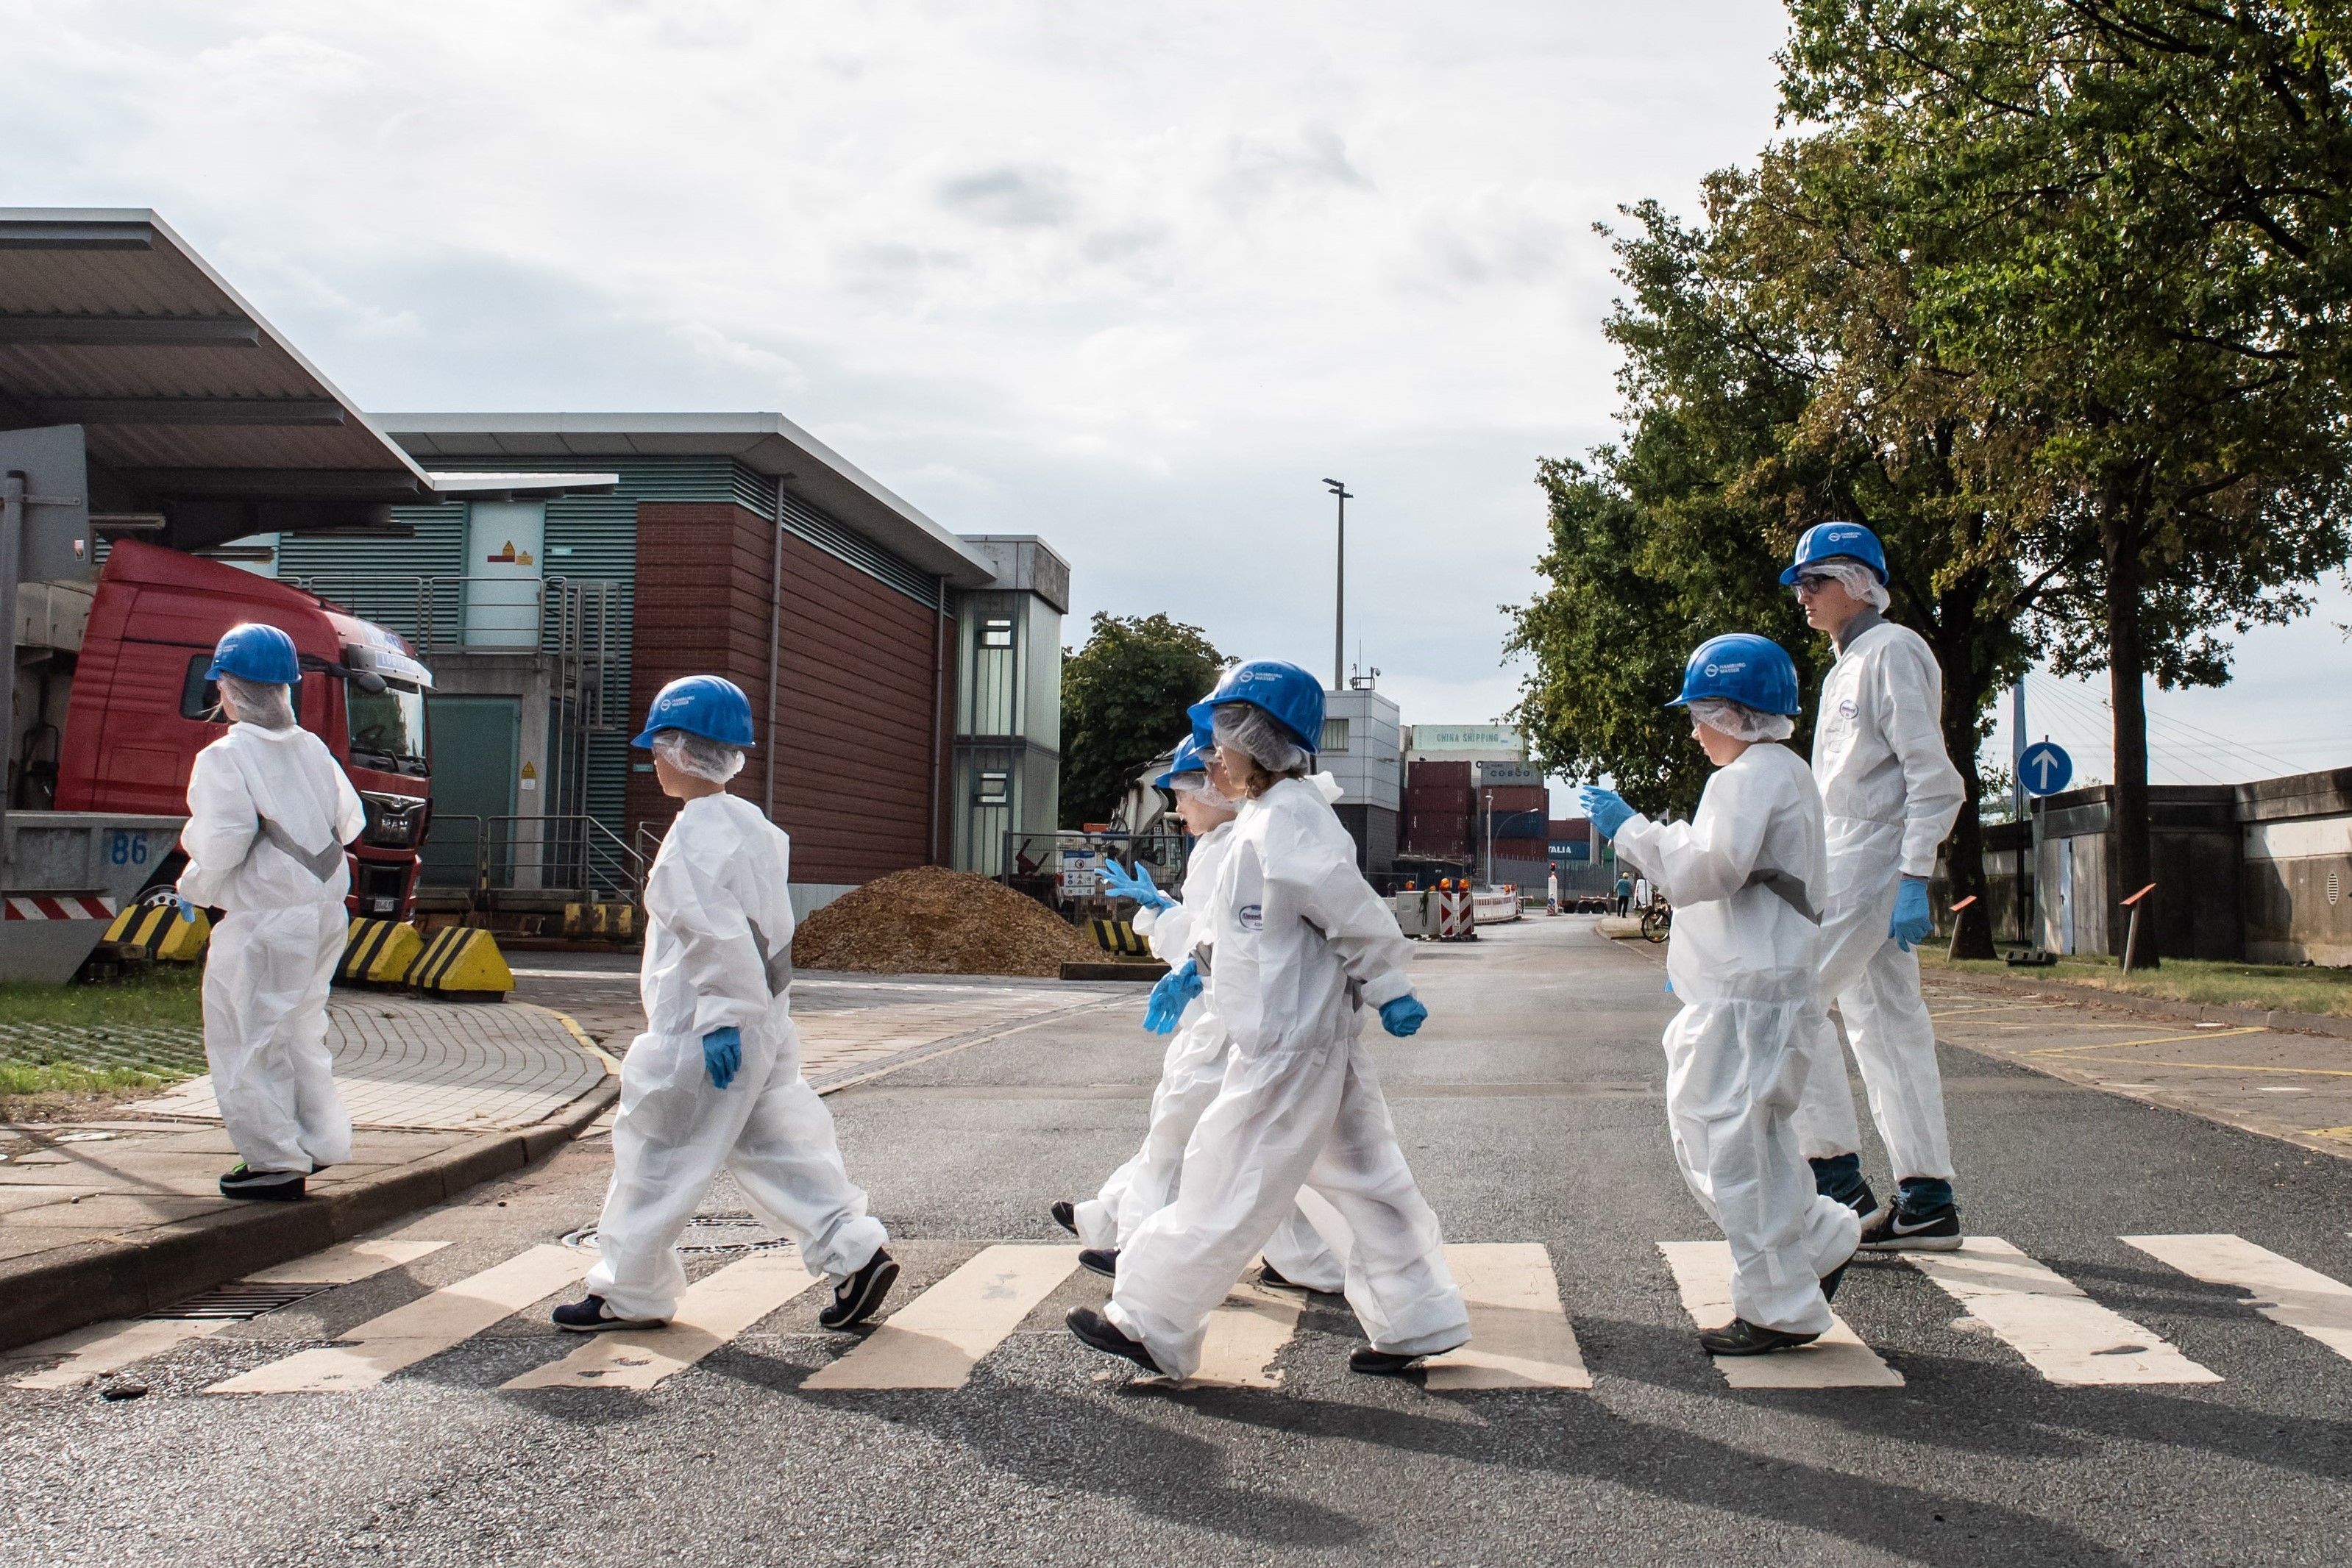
{"type": "Point", "coordinates": [1123, 701]}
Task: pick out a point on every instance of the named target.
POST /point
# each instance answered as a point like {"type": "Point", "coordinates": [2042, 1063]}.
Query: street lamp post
{"type": "Point", "coordinates": [1339, 611]}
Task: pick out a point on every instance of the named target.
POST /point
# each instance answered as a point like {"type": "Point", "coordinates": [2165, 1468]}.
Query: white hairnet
{"type": "Point", "coordinates": [1197, 784]}
{"type": "Point", "coordinates": [1741, 721]}
{"type": "Point", "coordinates": [1859, 579]}
{"type": "Point", "coordinates": [265, 702]}
{"type": "Point", "coordinates": [1258, 735]}
{"type": "Point", "coordinates": [699, 754]}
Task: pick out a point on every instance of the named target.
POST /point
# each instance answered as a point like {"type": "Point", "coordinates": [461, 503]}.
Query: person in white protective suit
{"type": "Point", "coordinates": [1195, 1067]}
{"type": "Point", "coordinates": [268, 814]}
{"type": "Point", "coordinates": [1890, 794]}
{"type": "Point", "coordinates": [1301, 946]}
{"type": "Point", "coordinates": [1743, 875]}
{"type": "Point", "coordinates": [714, 1081]}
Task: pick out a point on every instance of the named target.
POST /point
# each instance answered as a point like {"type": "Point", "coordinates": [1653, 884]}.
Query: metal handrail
{"type": "Point", "coordinates": [564, 853]}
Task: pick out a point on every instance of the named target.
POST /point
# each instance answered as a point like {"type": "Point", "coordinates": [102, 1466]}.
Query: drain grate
{"type": "Point", "coordinates": [734, 1232]}
{"type": "Point", "coordinates": [236, 1303]}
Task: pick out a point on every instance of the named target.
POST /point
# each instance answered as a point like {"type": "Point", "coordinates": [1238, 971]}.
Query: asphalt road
{"type": "Point", "coordinates": [1531, 1108]}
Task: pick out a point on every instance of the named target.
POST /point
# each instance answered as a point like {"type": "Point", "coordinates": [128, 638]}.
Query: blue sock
{"type": "Point", "coordinates": [1919, 1195]}
{"type": "Point", "coordinates": [1838, 1176]}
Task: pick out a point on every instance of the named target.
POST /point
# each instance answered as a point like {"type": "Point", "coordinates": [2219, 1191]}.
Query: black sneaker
{"type": "Point", "coordinates": [1740, 1337]}
{"type": "Point", "coordinates": [1103, 1261]}
{"type": "Point", "coordinates": [1098, 1332]}
{"type": "Point", "coordinates": [1863, 1202]}
{"type": "Point", "coordinates": [1388, 1362]}
{"type": "Point", "coordinates": [279, 1187]}
{"type": "Point", "coordinates": [593, 1316]}
{"type": "Point", "coordinates": [1830, 1281]}
{"type": "Point", "coordinates": [1935, 1229]}
{"type": "Point", "coordinates": [1066, 1215]}
{"type": "Point", "coordinates": [854, 1299]}
{"type": "Point", "coordinates": [1268, 1274]}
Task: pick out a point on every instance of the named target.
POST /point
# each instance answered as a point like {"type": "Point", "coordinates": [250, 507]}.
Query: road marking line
{"type": "Point", "coordinates": [108, 1347]}
{"type": "Point", "coordinates": [425, 1327]}
{"type": "Point", "coordinates": [346, 1264]}
{"type": "Point", "coordinates": [2004, 1008]}
{"type": "Point", "coordinates": [2064, 1334]}
{"type": "Point", "coordinates": [2144, 1062]}
{"type": "Point", "coordinates": [1837, 1360]}
{"type": "Point", "coordinates": [2286, 1292]}
{"type": "Point", "coordinates": [1519, 1334]}
{"type": "Point", "coordinates": [1246, 1332]}
{"type": "Point", "coordinates": [935, 1340]}
{"type": "Point", "coordinates": [2158, 1039]}
{"type": "Point", "coordinates": [714, 1310]}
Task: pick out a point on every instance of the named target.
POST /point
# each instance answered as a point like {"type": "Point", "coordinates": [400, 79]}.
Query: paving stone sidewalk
{"type": "Point", "coordinates": [126, 1207]}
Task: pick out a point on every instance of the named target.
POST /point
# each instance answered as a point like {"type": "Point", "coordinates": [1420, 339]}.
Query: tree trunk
{"type": "Point", "coordinates": [1964, 699]}
{"type": "Point", "coordinates": [2128, 829]}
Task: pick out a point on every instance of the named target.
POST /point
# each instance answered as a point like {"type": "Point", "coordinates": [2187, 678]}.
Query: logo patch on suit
{"type": "Point", "coordinates": [1252, 917]}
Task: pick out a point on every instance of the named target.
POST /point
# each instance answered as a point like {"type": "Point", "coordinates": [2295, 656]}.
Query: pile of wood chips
{"type": "Point", "coordinates": [933, 921]}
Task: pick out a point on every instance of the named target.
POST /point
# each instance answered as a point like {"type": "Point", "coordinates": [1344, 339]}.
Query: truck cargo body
{"type": "Point", "coordinates": [140, 707]}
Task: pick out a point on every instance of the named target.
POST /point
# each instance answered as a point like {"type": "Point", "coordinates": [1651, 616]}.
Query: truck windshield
{"type": "Point", "coordinates": [388, 729]}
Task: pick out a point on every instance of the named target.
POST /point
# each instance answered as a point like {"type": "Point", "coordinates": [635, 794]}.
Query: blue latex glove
{"type": "Point", "coordinates": [1606, 808]}
{"type": "Point", "coordinates": [1136, 885]}
{"type": "Point", "coordinates": [1175, 988]}
{"type": "Point", "coordinates": [722, 1055]}
{"type": "Point", "coordinates": [1402, 1015]}
{"type": "Point", "coordinates": [1912, 923]}
{"type": "Point", "coordinates": [187, 911]}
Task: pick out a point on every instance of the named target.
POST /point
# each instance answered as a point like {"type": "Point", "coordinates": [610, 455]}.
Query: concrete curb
{"type": "Point", "coordinates": [2153, 1007]}
{"type": "Point", "coordinates": [52, 1293]}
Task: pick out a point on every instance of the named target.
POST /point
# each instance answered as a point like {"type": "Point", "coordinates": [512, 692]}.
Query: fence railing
{"type": "Point", "coordinates": [576, 858]}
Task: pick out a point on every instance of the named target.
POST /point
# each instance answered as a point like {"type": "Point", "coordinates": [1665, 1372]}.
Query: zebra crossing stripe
{"type": "Point", "coordinates": [2064, 1334]}
{"type": "Point", "coordinates": [111, 1347]}
{"type": "Point", "coordinates": [713, 1310]}
{"type": "Point", "coordinates": [425, 1327]}
{"type": "Point", "coordinates": [1837, 1360]}
{"type": "Point", "coordinates": [2286, 1292]}
{"type": "Point", "coordinates": [348, 1263]}
{"type": "Point", "coordinates": [1246, 1332]}
{"type": "Point", "coordinates": [935, 1340]}
{"type": "Point", "coordinates": [92, 1353]}
{"type": "Point", "coordinates": [1519, 1335]}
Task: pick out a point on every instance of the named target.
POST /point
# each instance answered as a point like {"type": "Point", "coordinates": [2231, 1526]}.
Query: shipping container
{"type": "Point", "coordinates": [1517, 798]}
{"type": "Point", "coordinates": [1453, 775]}
{"type": "Point", "coordinates": [1571, 829]}
{"type": "Point", "coordinates": [1440, 798]}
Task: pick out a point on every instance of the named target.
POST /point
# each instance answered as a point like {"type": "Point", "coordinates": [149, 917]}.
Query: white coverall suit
{"type": "Point", "coordinates": [1743, 960]}
{"type": "Point", "coordinates": [1189, 1076]}
{"type": "Point", "coordinates": [1298, 951]}
{"type": "Point", "coordinates": [1889, 794]}
{"type": "Point", "coordinates": [718, 952]}
{"type": "Point", "coordinates": [268, 814]}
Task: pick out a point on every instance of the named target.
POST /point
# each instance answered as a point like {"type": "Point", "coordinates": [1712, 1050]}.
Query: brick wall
{"type": "Point", "coordinates": [855, 712]}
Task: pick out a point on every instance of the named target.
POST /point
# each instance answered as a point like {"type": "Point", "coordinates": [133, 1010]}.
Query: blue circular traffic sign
{"type": "Point", "coordinates": [2044, 769]}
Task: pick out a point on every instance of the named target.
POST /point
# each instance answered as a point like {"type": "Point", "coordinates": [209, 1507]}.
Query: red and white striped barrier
{"type": "Point", "coordinates": [59, 906]}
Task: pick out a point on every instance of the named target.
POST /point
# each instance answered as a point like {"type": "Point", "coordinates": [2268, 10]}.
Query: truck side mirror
{"type": "Point", "coordinates": [368, 681]}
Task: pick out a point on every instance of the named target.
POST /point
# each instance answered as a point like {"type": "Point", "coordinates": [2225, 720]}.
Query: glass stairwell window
{"type": "Point", "coordinates": [1335, 734]}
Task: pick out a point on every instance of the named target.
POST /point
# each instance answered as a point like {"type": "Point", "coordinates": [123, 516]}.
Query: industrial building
{"type": "Point", "coordinates": [553, 569]}
{"type": "Point", "coordinates": [907, 680]}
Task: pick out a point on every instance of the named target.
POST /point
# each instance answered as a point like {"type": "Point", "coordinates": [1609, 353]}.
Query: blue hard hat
{"type": "Point", "coordinates": [708, 706]}
{"type": "Point", "coordinates": [1192, 756]}
{"type": "Point", "coordinates": [1823, 541]}
{"type": "Point", "coordinates": [1293, 696]}
{"type": "Point", "coordinates": [252, 652]}
{"type": "Point", "coordinates": [1754, 671]}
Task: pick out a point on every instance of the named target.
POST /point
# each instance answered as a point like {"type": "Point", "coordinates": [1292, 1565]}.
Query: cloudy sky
{"type": "Point", "coordinates": [1133, 278]}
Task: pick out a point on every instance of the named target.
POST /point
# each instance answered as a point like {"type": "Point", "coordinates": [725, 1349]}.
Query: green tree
{"type": "Point", "coordinates": [1123, 701]}
{"type": "Point", "coordinates": [2131, 224]}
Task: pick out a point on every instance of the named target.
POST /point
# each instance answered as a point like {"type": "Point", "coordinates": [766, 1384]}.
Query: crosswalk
{"type": "Point", "coordinates": [937, 1337]}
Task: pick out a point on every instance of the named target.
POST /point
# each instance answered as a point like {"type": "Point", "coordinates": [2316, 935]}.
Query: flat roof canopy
{"type": "Point", "coordinates": [193, 407]}
{"type": "Point", "coordinates": [767, 444]}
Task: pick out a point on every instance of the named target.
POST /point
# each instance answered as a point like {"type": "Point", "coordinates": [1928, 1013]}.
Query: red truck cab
{"type": "Point", "coordinates": [140, 707]}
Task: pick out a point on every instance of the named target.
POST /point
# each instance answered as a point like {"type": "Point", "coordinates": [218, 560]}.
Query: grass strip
{"type": "Point", "coordinates": [2282, 987]}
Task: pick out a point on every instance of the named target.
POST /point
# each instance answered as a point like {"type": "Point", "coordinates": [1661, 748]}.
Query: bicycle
{"type": "Point", "coordinates": [1657, 920]}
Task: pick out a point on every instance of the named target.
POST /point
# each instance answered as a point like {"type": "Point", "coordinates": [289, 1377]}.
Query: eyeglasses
{"type": "Point", "coordinates": [1814, 582]}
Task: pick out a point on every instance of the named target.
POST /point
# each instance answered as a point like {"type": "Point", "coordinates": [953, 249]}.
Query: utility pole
{"type": "Point", "coordinates": [1340, 611]}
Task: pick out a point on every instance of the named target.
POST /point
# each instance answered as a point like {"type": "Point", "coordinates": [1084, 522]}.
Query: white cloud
{"type": "Point", "coordinates": [1134, 278]}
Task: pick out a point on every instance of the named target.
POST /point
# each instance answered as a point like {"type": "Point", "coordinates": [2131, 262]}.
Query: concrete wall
{"type": "Point", "coordinates": [2296, 848]}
